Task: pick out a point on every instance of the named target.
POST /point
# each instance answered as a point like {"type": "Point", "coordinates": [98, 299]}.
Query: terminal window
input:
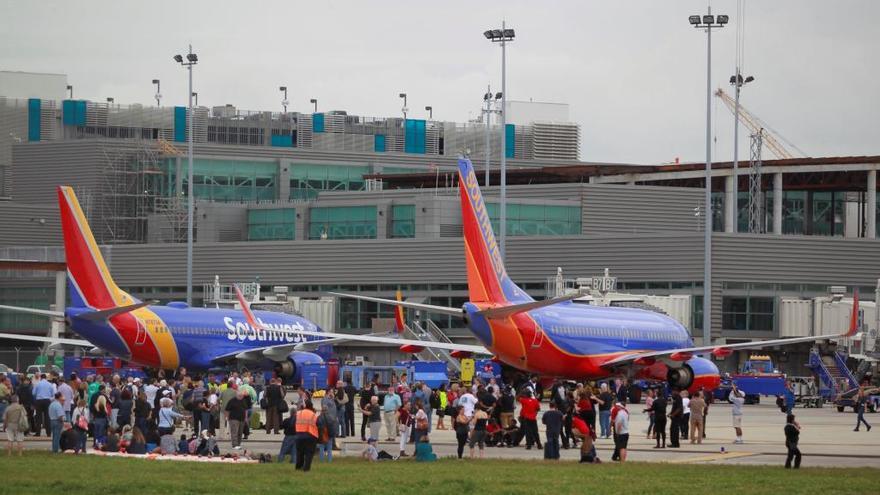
{"type": "Point", "coordinates": [747, 313]}
{"type": "Point", "coordinates": [306, 180]}
{"type": "Point", "coordinates": [403, 221]}
{"type": "Point", "coordinates": [223, 180]}
{"type": "Point", "coordinates": [271, 224]}
{"type": "Point", "coordinates": [342, 222]}
{"type": "Point", "coordinates": [537, 220]}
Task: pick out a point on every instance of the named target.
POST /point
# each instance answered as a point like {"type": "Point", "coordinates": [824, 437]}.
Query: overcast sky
{"type": "Point", "coordinates": [634, 72]}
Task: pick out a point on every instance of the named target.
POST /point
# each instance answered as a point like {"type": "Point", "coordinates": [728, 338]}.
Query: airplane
{"type": "Point", "coordinates": [176, 335]}
{"type": "Point", "coordinates": [560, 338]}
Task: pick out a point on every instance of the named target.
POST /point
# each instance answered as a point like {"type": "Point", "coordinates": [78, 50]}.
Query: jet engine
{"type": "Point", "coordinates": [693, 375]}
{"type": "Point", "coordinates": [291, 368]}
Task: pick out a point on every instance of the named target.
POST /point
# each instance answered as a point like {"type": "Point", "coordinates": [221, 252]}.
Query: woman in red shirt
{"type": "Point", "coordinates": [528, 415]}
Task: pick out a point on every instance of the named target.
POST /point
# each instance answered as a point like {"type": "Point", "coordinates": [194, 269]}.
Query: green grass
{"type": "Point", "coordinates": [41, 472]}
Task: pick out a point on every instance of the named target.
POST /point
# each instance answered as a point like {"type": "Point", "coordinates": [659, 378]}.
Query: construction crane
{"type": "Point", "coordinates": [771, 139]}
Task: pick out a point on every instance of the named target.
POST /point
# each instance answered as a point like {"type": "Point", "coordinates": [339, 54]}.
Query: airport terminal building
{"type": "Point", "coordinates": [331, 201]}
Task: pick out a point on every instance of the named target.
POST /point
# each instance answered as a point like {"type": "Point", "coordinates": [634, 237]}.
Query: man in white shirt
{"type": "Point", "coordinates": [686, 415]}
{"type": "Point", "coordinates": [737, 398]}
{"type": "Point", "coordinates": [67, 392]}
{"type": "Point", "coordinates": [150, 390]}
{"type": "Point", "coordinates": [468, 401]}
{"type": "Point", "coordinates": [621, 430]}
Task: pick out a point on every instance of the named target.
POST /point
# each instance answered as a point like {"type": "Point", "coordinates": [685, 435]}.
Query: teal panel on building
{"type": "Point", "coordinates": [510, 140]}
{"type": "Point", "coordinates": [283, 141]}
{"type": "Point", "coordinates": [34, 119]}
{"type": "Point", "coordinates": [379, 143]}
{"type": "Point", "coordinates": [414, 136]}
{"type": "Point", "coordinates": [272, 224]}
{"type": "Point", "coordinates": [180, 124]}
{"type": "Point", "coordinates": [73, 112]}
{"type": "Point", "coordinates": [317, 122]}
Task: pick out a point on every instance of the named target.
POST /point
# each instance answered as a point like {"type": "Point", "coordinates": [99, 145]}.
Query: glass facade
{"type": "Point", "coordinates": [306, 180]}
{"type": "Point", "coordinates": [747, 313]}
{"type": "Point", "coordinates": [25, 297]}
{"type": "Point", "coordinates": [272, 224]}
{"type": "Point", "coordinates": [223, 180]}
{"type": "Point", "coordinates": [403, 221]}
{"type": "Point", "coordinates": [535, 220]}
{"type": "Point", "coordinates": [342, 222]}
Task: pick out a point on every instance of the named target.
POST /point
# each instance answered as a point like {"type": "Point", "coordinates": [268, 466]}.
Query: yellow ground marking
{"type": "Point", "coordinates": [711, 457]}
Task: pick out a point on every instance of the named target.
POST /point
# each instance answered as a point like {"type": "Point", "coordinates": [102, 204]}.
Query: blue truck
{"type": "Point", "coordinates": [757, 378]}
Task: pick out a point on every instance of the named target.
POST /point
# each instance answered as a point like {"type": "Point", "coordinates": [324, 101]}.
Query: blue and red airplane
{"type": "Point", "coordinates": [167, 337]}
{"type": "Point", "coordinates": [560, 338]}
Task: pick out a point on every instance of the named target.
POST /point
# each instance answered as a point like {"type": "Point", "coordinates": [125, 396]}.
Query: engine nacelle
{"type": "Point", "coordinates": [291, 368]}
{"type": "Point", "coordinates": [697, 373]}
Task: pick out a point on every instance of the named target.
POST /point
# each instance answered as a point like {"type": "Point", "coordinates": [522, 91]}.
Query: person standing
{"type": "Point", "coordinates": [605, 401]}
{"type": "Point", "coordinates": [42, 399]}
{"type": "Point", "coordinates": [274, 397]}
{"type": "Point", "coordinates": [659, 408]}
{"type": "Point", "coordinates": [529, 407]}
{"type": "Point", "coordinates": [26, 398]}
{"type": "Point", "coordinates": [621, 431]}
{"type": "Point", "coordinates": [649, 402]}
{"type": "Point", "coordinates": [66, 390]}
{"type": "Point", "coordinates": [737, 398]}
{"type": "Point", "coordinates": [698, 406]}
{"type": "Point", "coordinates": [16, 422]}
{"type": "Point", "coordinates": [441, 405]}
{"type": "Point", "coordinates": [56, 420]}
{"type": "Point", "coordinates": [460, 424]}
{"type": "Point", "coordinates": [331, 416]}
{"type": "Point", "coordinates": [792, 435]}
{"type": "Point", "coordinates": [326, 427]}
{"type": "Point", "coordinates": [373, 415]}
{"type": "Point", "coordinates": [350, 393]}
{"type": "Point", "coordinates": [553, 421]}
{"type": "Point", "coordinates": [80, 421]}
{"type": "Point", "coordinates": [675, 415]}
{"type": "Point", "coordinates": [288, 444]}
{"type": "Point", "coordinates": [236, 415]}
{"type": "Point", "coordinates": [389, 413]}
{"type": "Point", "coordinates": [306, 436]}
{"type": "Point", "coordinates": [341, 408]}
{"type": "Point", "coordinates": [861, 400]}
{"type": "Point", "coordinates": [478, 434]}
{"type": "Point", "coordinates": [686, 414]}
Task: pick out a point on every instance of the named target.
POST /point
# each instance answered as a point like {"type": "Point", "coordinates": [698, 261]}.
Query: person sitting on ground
{"type": "Point", "coordinates": [207, 445]}
{"type": "Point", "coordinates": [493, 433]}
{"type": "Point", "coordinates": [69, 439]}
{"type": "Point", "coordinates": [371, 453]}
{"type": "Point", "coordinates": [183, 445]}
{"type": "Point", "coordinates": [125, 438]}
{"type": "Point", "coordinates": [582, 431]}
{"type": "Point", "coordinates": [425, 453]}
{"type": "Point", "coordinates": [138, 444]}
{"type": "Point", "coordinates": [112, 444]}
{"type": "Point", "coordinates": [512, 435]}
{"type": "Point", "coordinates": [152, 438]}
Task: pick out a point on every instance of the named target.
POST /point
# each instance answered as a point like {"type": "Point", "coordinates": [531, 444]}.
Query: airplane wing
{"type": "Point", "coordinates": [50, 340]}
{"type": "Point", "coordinates": [685, 353]}
{"type": "Point", "coordinates": [249, 316]}
{"type": "Point", "coordinates": [34, 311]}
{"type": "Point", "coordinates": [497, 312]}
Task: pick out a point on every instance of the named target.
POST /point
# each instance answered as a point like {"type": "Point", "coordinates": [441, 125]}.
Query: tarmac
{"type": "Point", "coordinates": [827, 439]}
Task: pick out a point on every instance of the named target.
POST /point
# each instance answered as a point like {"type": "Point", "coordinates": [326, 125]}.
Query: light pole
{"type": "Point", "coordinates": [158, 92]}
{"type": "Point", "coordinates": [404, 109]}
{"type": "Point", "coordinates": [503, 36]}
{"type": "Point", "coordinates": [737, 82]}
{"type": "Point", "coordinates": [488, 111]}
{"type": "Point", "coordinates": [284, 101]}
{"type": "Point", "coordinates": [708, 22]}
{"type": "Point", "coordinates": [70, 89]}
{"type": "Point", "coordinates": [191, 59]}
{"type": "Point", "coordinates": [196, 98]}
{"type": "Point", "coordinates": [314, 101]}
{"type": "Point", "coordinates": [430, 111]}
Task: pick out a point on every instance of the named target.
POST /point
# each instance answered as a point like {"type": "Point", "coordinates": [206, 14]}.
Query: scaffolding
{"type": "Point", "coordinates": [129, 191]}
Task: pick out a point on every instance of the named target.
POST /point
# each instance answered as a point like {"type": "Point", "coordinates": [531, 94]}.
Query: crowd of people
{"type": "Point", "coordinates": [183, 414]}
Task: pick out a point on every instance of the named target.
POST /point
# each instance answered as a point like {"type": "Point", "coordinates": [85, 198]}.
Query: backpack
{"type": "Point", "coordinates": [81, 422]}
{"type": "Point", "coordinates": [23, 424]}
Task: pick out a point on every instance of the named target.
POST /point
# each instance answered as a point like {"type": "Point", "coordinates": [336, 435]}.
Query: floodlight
{"type": "Point", "coordinates": [694, 19]}
{"type": "Point", "coordinates": [750, 79]}
{"type": "Point", "coordinates": [178, 59]}
{"type": "Point", "coordinates": [488, 34]}
{"type": "Point", "coordinates": [508, 33]}
{"type": "Point", "coordinates": [496, 33]}
{"type": "Point", "coordinates": [722, 19]}
{"type": "Point", "coordinates": [498, 95]}
{"type": "Point", "coordinates": [708, 19]}
{"type": "Point", "coordinates": [192, 57]}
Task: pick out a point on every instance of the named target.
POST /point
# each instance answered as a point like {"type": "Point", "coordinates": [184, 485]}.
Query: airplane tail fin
{"type": "Point", "coordinates": [88, 276]}
{"type": "Point", "coordinates": [487, 277]}
{"type": "Point", "coordinates": [854, 319]}
{"type": "Point", "coordinates": [399, 320]}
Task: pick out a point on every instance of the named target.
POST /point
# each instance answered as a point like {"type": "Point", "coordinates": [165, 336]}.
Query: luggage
{"type": "Point", "coordinates": [256, 420]}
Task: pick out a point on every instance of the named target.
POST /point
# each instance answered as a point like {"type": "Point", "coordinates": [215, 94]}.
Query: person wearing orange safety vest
{"type": "Point", "coordinates": [306, 436]}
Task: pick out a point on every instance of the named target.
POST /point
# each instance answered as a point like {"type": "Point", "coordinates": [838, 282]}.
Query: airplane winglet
{"type": "Point", "coordinates": [854, 319]}
{"type": "Point", "coordinates": [501, 312]}
{"type": "Point", "coordinates": [246, 309]}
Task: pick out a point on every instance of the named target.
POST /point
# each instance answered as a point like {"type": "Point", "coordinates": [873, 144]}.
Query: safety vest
{"type": "Point", "coordinates": [307, 422]}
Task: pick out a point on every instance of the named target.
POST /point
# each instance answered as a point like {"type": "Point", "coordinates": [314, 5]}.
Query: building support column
{"type": "Point", "coordinates": [871, 200]}
{"type": "Point", "coordinates": [730, 205]}
{"type": "Point", "coordinates": [777, 203]}
{"type": "Point", "coordinates": [60, 302]}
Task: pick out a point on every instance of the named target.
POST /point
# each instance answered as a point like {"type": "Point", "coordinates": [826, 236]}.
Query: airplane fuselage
{"type": "Point", "coordinates": [177, 335]}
